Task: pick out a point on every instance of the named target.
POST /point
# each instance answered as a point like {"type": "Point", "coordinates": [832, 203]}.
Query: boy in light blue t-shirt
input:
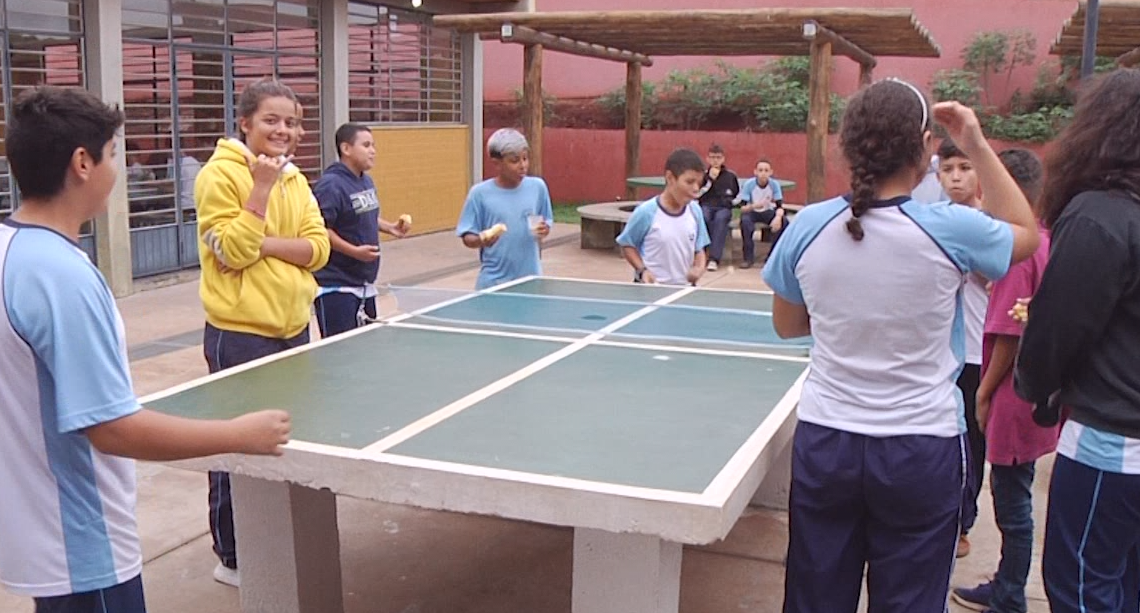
{"type": "Point", "coordinates": [666, 237]}
{"type": "Point", "coordinates": [518, 204]}
{"type": "Point", "coordinates": [763, 202]}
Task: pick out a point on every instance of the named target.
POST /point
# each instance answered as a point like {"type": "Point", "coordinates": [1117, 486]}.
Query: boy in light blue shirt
{"type": "Point", "coordinates": [763, 202]}
{"type": "Point", "coordinates": [512, 202]}
{"type": "Point", "coordinates": [666, 237]}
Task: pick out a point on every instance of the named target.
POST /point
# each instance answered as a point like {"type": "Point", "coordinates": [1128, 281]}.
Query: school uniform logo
{"type": "Point", "coordinates": [365, 201]}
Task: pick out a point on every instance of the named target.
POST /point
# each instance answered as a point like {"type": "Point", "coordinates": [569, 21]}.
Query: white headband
{"type": "Point", "coordinates": [921, 100]}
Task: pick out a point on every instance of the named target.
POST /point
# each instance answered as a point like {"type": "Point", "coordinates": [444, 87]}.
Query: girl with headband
{"type": "Point", "coordinates": [876, 279]}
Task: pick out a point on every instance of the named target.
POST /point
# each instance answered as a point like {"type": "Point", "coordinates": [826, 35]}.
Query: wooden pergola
{"type": "Point", "coordinates": [635, 37]}
{"type": "Point", "coordinates": [1118, 33]}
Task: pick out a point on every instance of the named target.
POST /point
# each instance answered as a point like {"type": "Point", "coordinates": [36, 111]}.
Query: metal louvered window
{"type": "Point", "coordinates": [184, 67]}
{"type": "Point", "coordinates": [41, 42]}
{"type": "Point", "coordinates": [402, 69]}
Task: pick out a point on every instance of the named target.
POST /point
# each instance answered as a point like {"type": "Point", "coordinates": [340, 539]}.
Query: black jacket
{"type": "Point", "coordinates": [722, 191]}
{"type": "Point", "coordinates": [1083, 334]}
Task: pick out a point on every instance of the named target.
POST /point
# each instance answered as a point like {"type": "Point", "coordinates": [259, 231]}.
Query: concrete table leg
{"type": "Point", "coordinates": [288, 547]}
{"type": "Point", "coordinates": [625, 573]}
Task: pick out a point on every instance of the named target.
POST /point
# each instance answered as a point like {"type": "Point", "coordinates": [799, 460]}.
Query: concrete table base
{"type": "Point", "coordinates": [625, 573]}
{"type": "Point", "coordinates": [288, 547]}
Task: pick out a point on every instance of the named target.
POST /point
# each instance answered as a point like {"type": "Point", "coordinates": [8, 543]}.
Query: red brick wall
{"type": "Point", "coordinates": [589, 165]}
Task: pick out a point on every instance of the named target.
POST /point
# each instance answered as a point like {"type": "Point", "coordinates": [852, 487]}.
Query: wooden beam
{"type": "Point", "coordinates": [813, 31]}
{"type": "Point", "coordinates": [866, 75]}
{"type": "Point", "coordinates": [532, 105]}
{"type": "Point", "coordinates": [632, 125]}
{"type": "Point", "coordinates": [819, 115]}
{"type": "Point", "coordinates": [1129, 59]}
{"type": "Point", "coordinates": [510, 33]}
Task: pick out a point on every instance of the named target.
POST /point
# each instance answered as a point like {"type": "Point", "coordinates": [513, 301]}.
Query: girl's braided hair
{"type": "Point", "coordinates": [883, 133]}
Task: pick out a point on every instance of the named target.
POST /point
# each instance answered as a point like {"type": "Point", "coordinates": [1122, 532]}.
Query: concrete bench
{"type": "Point", "coordinates": [603, 222]}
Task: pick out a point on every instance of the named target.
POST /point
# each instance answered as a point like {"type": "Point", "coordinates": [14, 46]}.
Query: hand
{"type": "Point", "coordinates": [266, 170]}
{"type": "Point", "coordinates": [694, 274]}
{"type": "Point", "coordinates": [1020, 311]}
{"type": "Point", "coordinates": [962, 125]}
{"type": "Point", "coordinates": [488, 241]}
{"type": "Point", "coordinates": [397, 232]}
{"type": "Point", "coordinates": [543, 230]}
{"type": "Point", "coordinates": [746, 208]}
{"type": "Point", "coordinates": [714, 172]}
{"type": "Point", "coordinates": [366, 253]}
{"type": "Point", "coordinates": [647, 277]}
{"type": "Point", "coordinates": [777, 221]}
{"type": "Point", "coordinates": [263, 432]}
{"type": "Point", "coordinates": [983, 412]}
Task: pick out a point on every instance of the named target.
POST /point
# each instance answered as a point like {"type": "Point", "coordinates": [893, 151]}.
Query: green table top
{"type": "Point", "coordinates": [663, 401]}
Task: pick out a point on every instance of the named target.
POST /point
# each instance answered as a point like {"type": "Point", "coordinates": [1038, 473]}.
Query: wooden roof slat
{"type": "Point", "coordinates": [878, 32]}
{"type": "Point", "coordinates": [1118, 32]}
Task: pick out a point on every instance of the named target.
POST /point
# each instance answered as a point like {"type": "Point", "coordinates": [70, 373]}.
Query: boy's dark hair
{"type": "Point", "coordinates": [682, 160]}
{"type": "Point", "coordinates": [1026, 169]}
{"type": "Point", "coordinates": [259, 90]}
{"type": "Point", "coordinates": [948, 150]}
{"type": "Point", "coordinates": [883, 133]}
{"type": "Point", "coordinates": [45, 128]}
{"type": "Point", "coordinates": [1099, 148]}
{"type": "Point", "coordinates": [716, 148]}
{"type": "Point", "coordinates": [346, 134]}
{"type": "Point", "coordinates": [763, 161]}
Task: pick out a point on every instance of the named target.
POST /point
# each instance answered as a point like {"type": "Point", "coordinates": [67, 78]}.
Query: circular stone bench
{"type": "Point", "coordinates": [603, 222]}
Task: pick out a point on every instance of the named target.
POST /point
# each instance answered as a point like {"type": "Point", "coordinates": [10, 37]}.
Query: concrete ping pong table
{"type": "Point", "coordinates": [643, 416]}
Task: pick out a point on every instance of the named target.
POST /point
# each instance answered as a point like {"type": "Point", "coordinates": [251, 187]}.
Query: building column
{"type": "Point", "coordinates": [103, 38]}
{"type": "Point", "coordinates": [334, 74]}
{"type": "Point", "coordinates": [471, 49]}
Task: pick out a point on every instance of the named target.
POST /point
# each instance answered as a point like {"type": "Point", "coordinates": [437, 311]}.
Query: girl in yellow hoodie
{"type": "Point", "coordinates": [261, 236]}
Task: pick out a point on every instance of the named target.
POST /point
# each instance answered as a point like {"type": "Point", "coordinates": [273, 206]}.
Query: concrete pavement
{"type": "Point", "coordinates": [404, 560]}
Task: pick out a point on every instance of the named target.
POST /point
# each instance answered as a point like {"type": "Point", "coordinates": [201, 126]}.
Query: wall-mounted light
{"type": "Point", "coordinates": [416, 3]}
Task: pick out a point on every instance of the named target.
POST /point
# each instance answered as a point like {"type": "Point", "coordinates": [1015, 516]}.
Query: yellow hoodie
{"type": "Point", "coordinates": [264, 296]}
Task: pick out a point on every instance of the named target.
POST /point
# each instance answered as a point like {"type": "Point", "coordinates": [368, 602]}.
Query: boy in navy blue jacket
{"type": "Point", "coordinates": [348, 201]}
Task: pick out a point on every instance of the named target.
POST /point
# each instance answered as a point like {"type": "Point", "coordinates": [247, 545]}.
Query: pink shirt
{"type": "Point", "coordinates": [1011, 436]}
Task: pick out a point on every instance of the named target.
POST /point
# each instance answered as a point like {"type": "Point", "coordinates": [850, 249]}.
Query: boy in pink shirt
{"type": "Point", "coordinates": [1013, 441]}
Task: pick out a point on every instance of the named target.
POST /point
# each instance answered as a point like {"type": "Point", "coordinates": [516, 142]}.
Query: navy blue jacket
{"type": "Point", "coordinates": [351, 208]}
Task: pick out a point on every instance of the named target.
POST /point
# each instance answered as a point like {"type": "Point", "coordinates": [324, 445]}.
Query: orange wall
{"type": "Point", "coordinates": [951, 24]}
{"type": "Point", "coordinates": [424, 171]}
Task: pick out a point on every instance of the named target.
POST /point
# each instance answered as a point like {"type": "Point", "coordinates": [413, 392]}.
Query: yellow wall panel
{"type": "Point", "coordinates": [424, 171]}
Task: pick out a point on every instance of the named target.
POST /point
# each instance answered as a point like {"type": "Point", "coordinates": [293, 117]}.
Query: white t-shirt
{"type": "Point", "coordinates": [666, 242]}
{"type": "Point", "coordinates": [975, 301]}
{"type": "Point", "coordinates": [886, 312]}
{"type": "Point", "coordinates": [67, 512]}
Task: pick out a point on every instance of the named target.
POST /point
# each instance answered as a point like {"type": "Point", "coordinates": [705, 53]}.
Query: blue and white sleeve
{"type": "Point", "coordinates": [67, 316]}
{"type": "Point", "coordinates": [745, 195]}
{"type": "Point", "coordinates": [638, 226]}
{"type": "Point", "coordinates": [546, 208]}
{"type": "Point", "coordinates": [471, 218]}
{"type": "Point", "coordinates": [975, 241]}
{"type": "Point", "coordinates": [702, 228]}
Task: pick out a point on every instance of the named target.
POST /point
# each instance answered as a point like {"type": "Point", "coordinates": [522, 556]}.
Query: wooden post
{"type": "Point", "coordinates": [819, 115]}
{"type": "Point", "coordinates": [532, 103]}
{"type": "Point", "coordinates": [632, 124]}
{"type": "Point", "coordinates": [866, 74]}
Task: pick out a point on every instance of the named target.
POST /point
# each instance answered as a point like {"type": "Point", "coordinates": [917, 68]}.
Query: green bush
{"type": "Point", "coordinates": [773, 97]}
{"type": "Point", "coordinates": [956, 84]}
{"type": "Point", "coordinates": [1038, 126]}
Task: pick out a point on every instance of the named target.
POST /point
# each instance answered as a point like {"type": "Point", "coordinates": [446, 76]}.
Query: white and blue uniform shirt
{"type": "Point", "coordinates": [515, 254]}
{"type": "Point", "coordinates": [762, 198]}
{"type": "Point", "coordinates": [67, 516]}
{"type": "Point", "coordinates": [886, 312]}
{"type": "Point", "coordinates": [666, 242]}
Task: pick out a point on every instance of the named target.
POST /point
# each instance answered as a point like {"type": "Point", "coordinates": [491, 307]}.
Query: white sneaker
{"type": "Point", "coordinates": [712, 265]}
{"type": "Point", "coordinates": [226, 575]}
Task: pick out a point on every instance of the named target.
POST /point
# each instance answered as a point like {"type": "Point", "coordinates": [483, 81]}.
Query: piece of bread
{"type": "Point", "coordinates": [493, 231]}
